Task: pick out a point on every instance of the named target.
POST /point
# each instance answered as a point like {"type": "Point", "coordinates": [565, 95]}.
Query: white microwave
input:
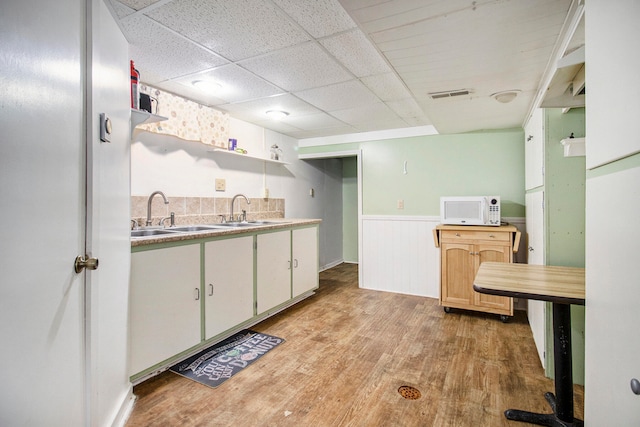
{"type": "Point", "coordinates": [470, 210]}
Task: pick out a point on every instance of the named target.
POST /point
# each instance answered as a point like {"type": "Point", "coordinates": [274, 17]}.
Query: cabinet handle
{"type": "Point", "coordinates": [197, 294]}
{"type": "Point", "coordinates": [295, 263]}
{"type": "Point", "coordinates": [457, 234]}
{"type": "Point", "coordinates": [491, 236]}
{"type": "Point", "coordinates": [635, 386]}
{"type": "Point", "coordinates": [289, 268]}
{"type": "Point", "coordinates": [530, 249]}
{"type": "Point", "coordinates": [210, 289]}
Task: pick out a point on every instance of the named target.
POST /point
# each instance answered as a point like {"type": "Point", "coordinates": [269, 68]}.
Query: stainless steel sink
{"type": "Point", "coordinates": [249, 223]}
{"type": "Point", "coordinates": [153, 232]}
{"type": "Point", "coordinates": [194, 228]}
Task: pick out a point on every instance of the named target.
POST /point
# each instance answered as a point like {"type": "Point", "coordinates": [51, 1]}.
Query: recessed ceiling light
{"type": "Point", "coordinates": [505, 96]}
{"type": "Point", "coordinates": [277, 114]}
{"type": "Point", "coordinates": [207, 85]}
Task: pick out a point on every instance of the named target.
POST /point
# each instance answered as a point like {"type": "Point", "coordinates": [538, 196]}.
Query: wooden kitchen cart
{"type": "Point", "coordinates": [462, 249]}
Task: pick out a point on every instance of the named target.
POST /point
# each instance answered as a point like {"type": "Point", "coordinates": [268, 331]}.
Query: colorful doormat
{"type": "Point", "coordinates": [220, 362]}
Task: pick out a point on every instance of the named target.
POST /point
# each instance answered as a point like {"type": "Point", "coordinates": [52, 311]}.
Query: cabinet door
{"type": "Point", "coordinates": [305, 260]}
{"type": "Point", "coordinates": [164, 307]}
{"type": "Point", "coordinates": [228, 284]}
{"type": "Point", "coordinates": [492, 253]}
{"type": "Point", "coordinates": [457, 273]}
{"type": "Point", "coordinates": [273, 269]}
{"type": "Point", "coordinates": [534, 150]}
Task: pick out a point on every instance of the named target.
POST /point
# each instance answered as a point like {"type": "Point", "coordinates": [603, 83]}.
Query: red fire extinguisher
{"type": "Point", "coordinates": [135, 92]}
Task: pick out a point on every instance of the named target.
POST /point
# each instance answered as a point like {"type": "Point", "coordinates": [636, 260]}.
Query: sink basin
{"type": "Point", "coordinates": [248, 223]}
{"type": "Point", "coordinates": [192, 228]}
{"type": "Point", "coordinates": [144, 233]}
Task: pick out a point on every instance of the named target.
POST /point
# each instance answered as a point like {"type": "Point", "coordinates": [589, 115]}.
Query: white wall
{"type": "Point", "coordinates": [613, 199]}
{"type": "Point", "coordinates": [186, 168]}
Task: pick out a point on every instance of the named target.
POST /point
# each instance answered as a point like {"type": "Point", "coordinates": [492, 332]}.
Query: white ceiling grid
{"type": "Point", "coordinates": [350, 65]}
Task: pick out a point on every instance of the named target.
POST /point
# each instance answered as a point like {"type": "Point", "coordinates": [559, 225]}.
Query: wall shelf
{"type": "Point", "coordinates": [139, 117]}
{"type": "Point", "coordinates": [246, 156]}
{"type": "Point", "coordinates": [573, 147]}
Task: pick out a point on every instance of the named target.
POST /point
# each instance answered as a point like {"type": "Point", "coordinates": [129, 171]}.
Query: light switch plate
{"type": "Point", "coordinates": [221, 184]}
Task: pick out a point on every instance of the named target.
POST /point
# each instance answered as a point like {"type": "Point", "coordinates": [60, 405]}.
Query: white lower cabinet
{"type": "Point", "coordinates": [173, 296]}
{"type": "Point", "coordinates": [228, 284]}
{"type": "Point", "coordinates": [273, 270]}
{"type": "Point", "coordinates": [305, 260]}
{"type": "Point", "coordinates": [164, 318]}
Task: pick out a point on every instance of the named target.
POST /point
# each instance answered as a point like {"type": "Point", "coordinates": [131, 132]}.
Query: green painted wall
{"type": "Point", "coordinates": [564, 186]}
{"type": "Point", "coordinates": [482, 163]}
{"type": "Point", "coordinates": [350, 209]}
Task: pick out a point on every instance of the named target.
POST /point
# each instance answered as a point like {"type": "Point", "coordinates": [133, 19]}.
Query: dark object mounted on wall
{"type": "Point", "coordinates": [145, 102]}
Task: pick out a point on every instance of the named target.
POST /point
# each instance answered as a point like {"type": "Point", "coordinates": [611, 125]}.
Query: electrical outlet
{"type": "Point", "coordinates": [400, 204]}
{"type": "Point", "coordinates": [221, 184]}
{"type": "Point", "coordinates": [265, 193]}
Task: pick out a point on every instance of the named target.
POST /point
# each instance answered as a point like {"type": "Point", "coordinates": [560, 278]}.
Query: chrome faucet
{"type": "Point", "coordinates": [233, 201]}
{"type": "Point", "coordinates": [166, 202]}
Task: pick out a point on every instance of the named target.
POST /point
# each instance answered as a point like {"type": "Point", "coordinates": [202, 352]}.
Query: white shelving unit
{"type": "Point", "coordinates": [139, 117]}
{"type": "Point", "coordinates": [246, 156]}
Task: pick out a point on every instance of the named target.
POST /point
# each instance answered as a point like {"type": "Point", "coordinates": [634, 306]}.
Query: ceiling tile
{"type": "Point", "coordinates": [191, 93]}
{"type": "Point", "coordinates": [257, 108]}
{"type": "Point", "coordinates": [386, 86]}
{"type": "Point", "coordinates": [297, 68]}
{"type": "Point", "coordinates": [120, 9]}
{"type": "Point", "coordinates": [339, 96]}
{"type": "Point", "coordinates": [160, 54]}
{"type": "Point", "coordinates": [237, 84]}
{"type": "Point", "coordinates": [377, 112]}
{"type": "Point", "coordinates": [320, 18]}
{"type": "Point", "coordinates": [406, 108]}
{"type": "Point", "coordinates": [355, 51]}
{"type": "Point", "coordinates": [315, 121]}
{"type": "Point", "coordinates": [234, 29]}
{"type": "Point", "coordinates": [382, 124]}
{"type": "Point", "coordinates": [138, 4]}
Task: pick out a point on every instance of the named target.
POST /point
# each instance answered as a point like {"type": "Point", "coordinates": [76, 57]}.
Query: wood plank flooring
{"type": "Point", "coordinates": [347, 352]}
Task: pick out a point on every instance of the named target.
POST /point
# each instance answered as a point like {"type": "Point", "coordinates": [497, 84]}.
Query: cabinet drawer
{"type": "Point", "coordinates": [460, 235]}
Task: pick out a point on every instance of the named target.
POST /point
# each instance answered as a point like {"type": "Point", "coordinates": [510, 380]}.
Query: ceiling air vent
{"type": "Point", "coordinates": [449, 93]}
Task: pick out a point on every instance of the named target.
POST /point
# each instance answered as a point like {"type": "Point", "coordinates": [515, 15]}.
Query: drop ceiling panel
{"type": "Point", "coordinates": [257, 108]}
{"type": "Point", "coordinates": [356, 53]}
{"type": "Point", "coordinates": [234, 29]}
{"type": "Point", "coordinates": [386, 86]}
{"type": "Point", "coordinates": [300, 67]}
{"type": "Point", "coordinates": [370, 113]}
{"type": "Point", "coordinates": [160, 54]}
{"type": "Point", "coordinates": [315, 121]}
{"type": "Point", "coordinates": [190, 92]}
{"type": "Point", "coordinates": [237, 84]}
{"type": "Point", "coordinates": [320, 18]}
{"type": "Point", "coordinates": [339, 96]}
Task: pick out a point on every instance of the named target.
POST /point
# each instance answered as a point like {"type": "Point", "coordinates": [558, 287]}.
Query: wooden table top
{"type": "Point", "coordinates": [540, 282]}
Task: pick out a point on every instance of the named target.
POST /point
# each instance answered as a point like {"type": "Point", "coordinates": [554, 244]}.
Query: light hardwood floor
{"type": "Point", "coordinates": [347, 352]}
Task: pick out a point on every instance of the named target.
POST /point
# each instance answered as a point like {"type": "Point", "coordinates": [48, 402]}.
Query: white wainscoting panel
{"type": "Point", "coordinates": [399, 255]}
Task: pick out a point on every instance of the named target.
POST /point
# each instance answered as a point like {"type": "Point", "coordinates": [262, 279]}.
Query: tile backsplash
{"type": "Point", "coordinates": [203, 210]}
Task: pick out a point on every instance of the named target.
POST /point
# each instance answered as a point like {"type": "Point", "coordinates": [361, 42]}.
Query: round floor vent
{"type": "Point", "coordinates": [409, 392]}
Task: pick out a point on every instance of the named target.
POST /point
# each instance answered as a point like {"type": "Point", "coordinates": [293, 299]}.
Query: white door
{"type": "Point", "coordinates": [228, 284]}
{"type": "Point", "coordinates": [535, 253]}
{"type": "Point", "coordinates": [273, 267]}
{"type": "Point", "coordinates": [108, 220]}
{"type": "Point", "coordinates": [42, 229]}
{"type": "Point", "coordinates": [612, 346]}
{"type": "Point", "coordinates": [305, 260]}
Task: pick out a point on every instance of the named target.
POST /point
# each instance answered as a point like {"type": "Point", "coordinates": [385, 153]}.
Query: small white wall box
{"type": "Point", "coordinates": [573, 147]}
